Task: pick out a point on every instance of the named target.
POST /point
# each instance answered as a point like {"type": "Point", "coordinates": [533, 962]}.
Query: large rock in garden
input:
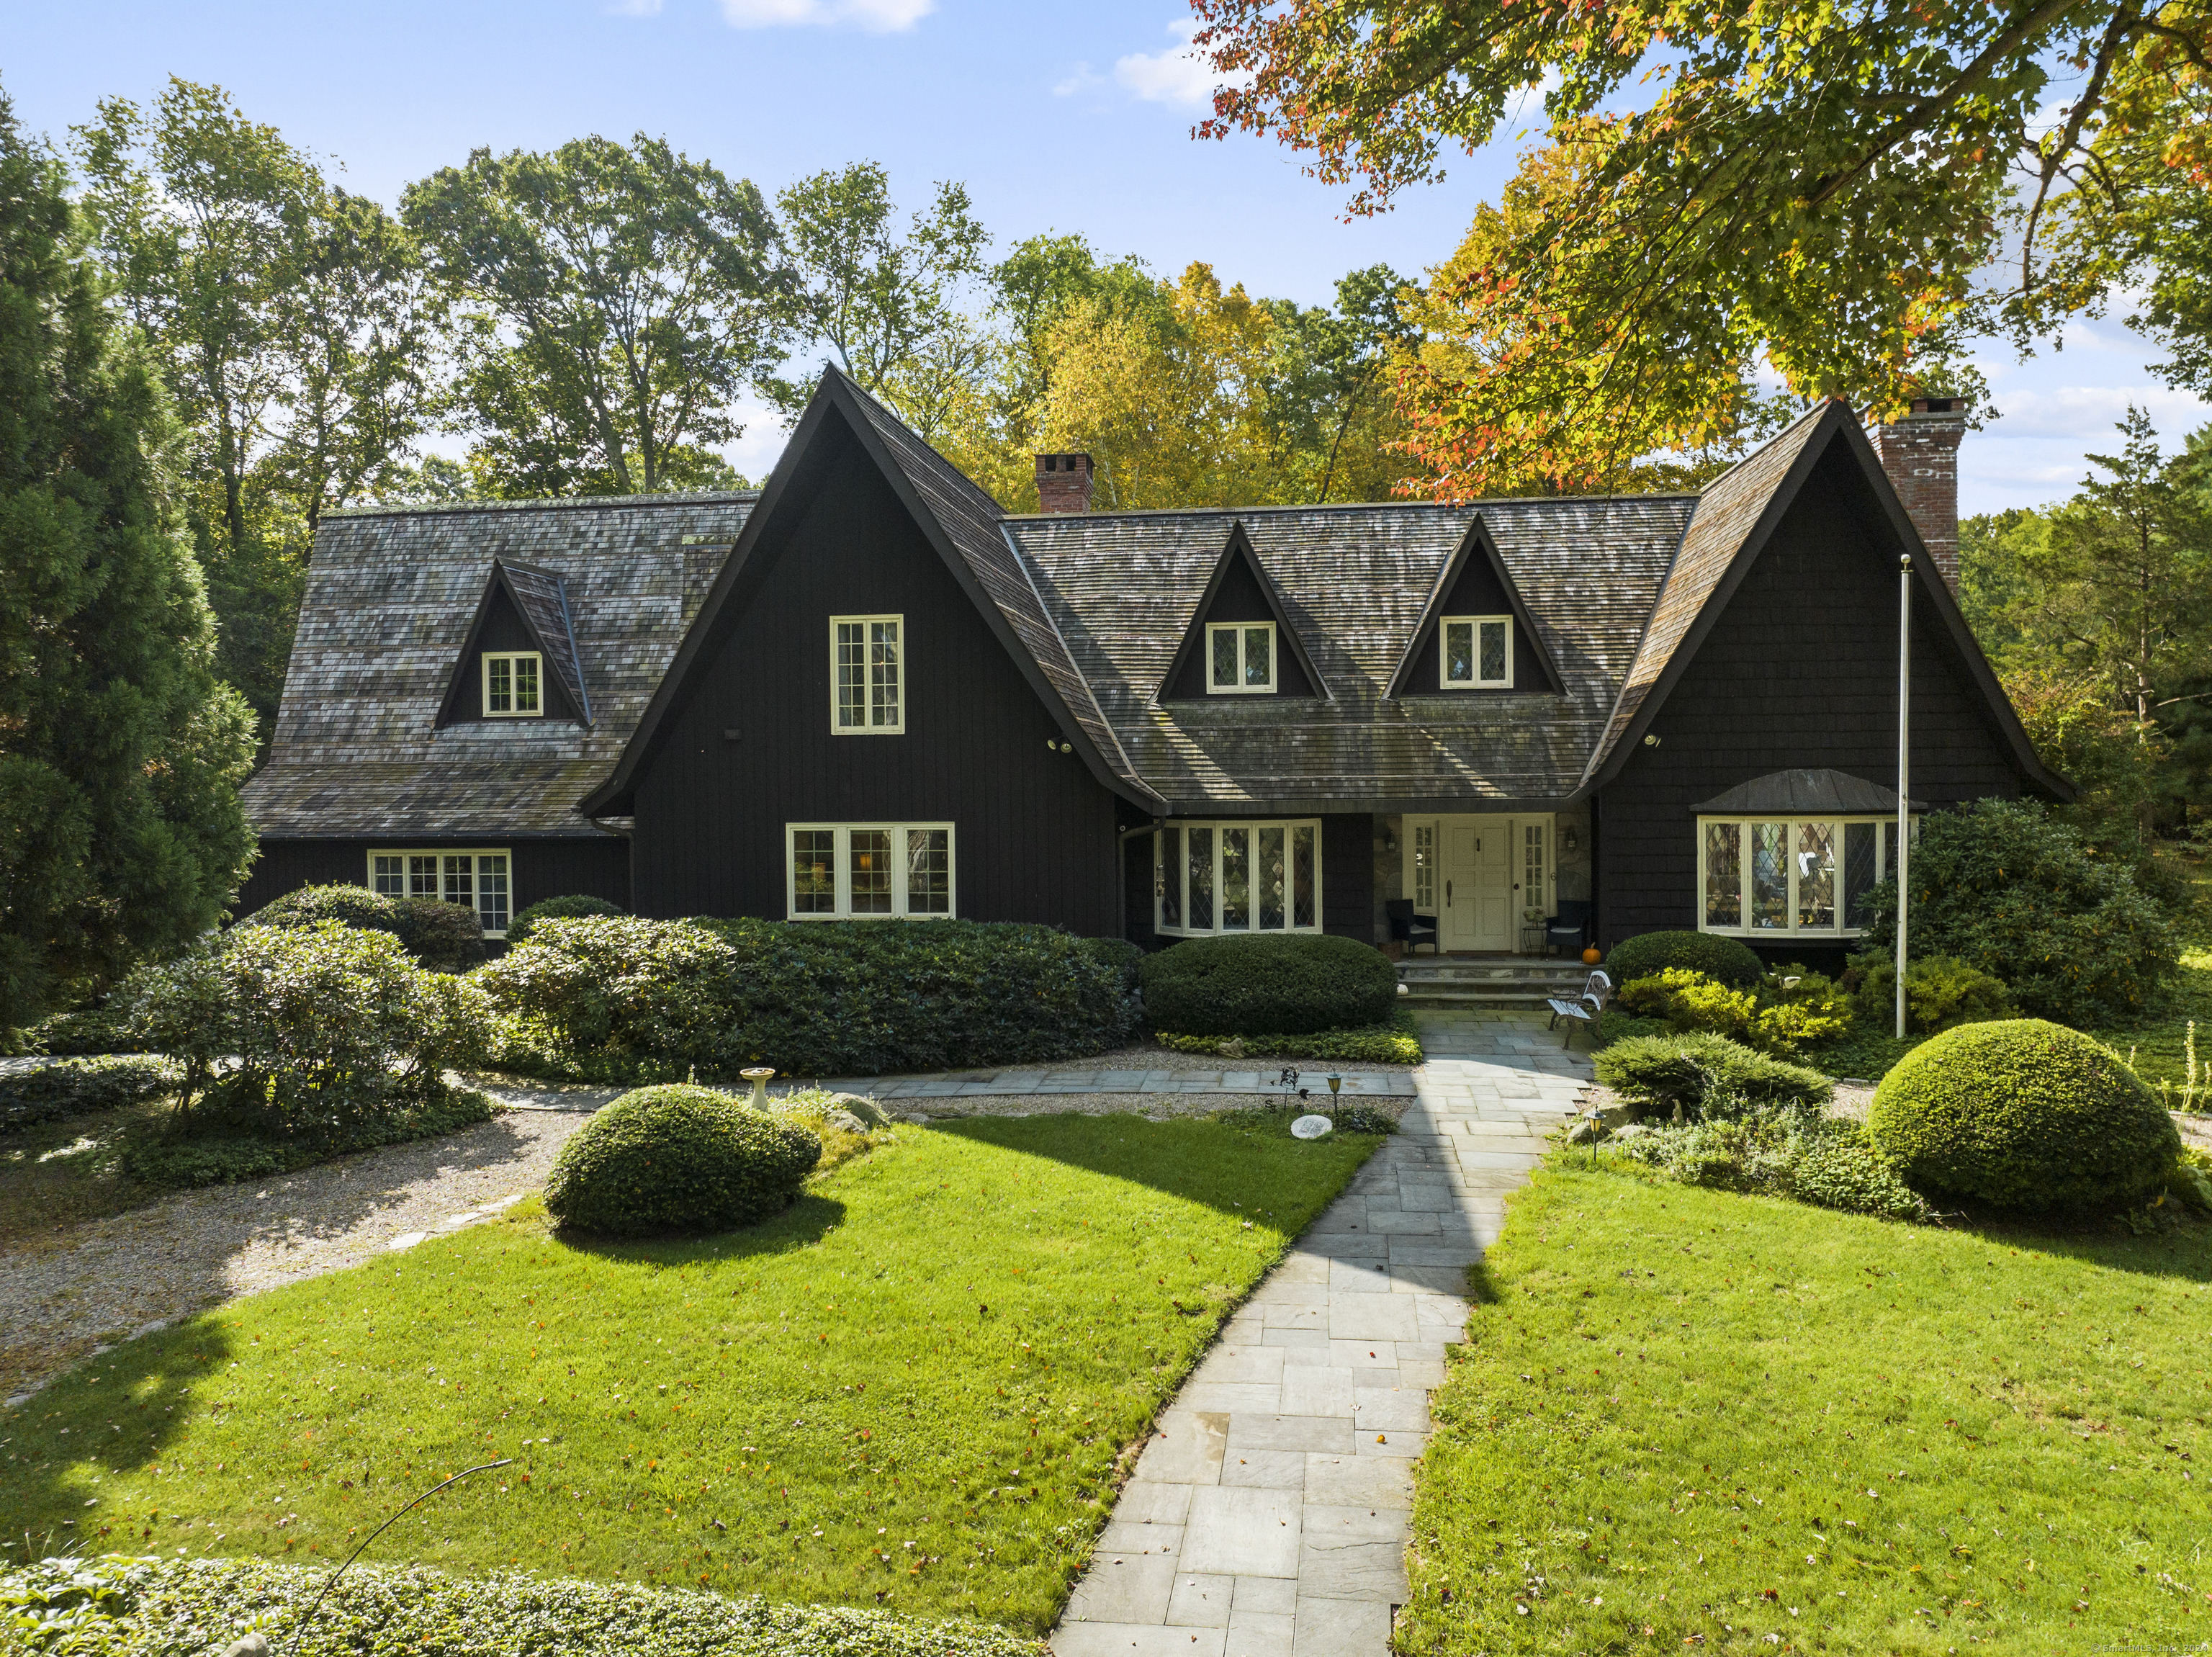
{"type": "Point", "coordinates": [2022, 1113]}
{"type": "Point", "coordinates": [678, 1158]}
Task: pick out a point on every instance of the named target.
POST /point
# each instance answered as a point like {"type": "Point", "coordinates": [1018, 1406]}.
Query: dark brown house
{"type": "Point", "coordinates": [869, 692]}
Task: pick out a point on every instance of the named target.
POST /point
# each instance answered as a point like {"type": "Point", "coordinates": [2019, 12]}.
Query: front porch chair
{"type": "Point", "coordinates": [1409, 929]}
{"type": "Point", "coordinates": [1570, 926]}
{"type": "Point", "coordinates": [1597, 990]}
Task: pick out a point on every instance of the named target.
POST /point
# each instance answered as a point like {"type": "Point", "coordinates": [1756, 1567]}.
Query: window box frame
{"type": "Point", "coordinates": [1840, 822]}
{"type": "Point", "coordinates": [891, 727]}
{"type": "Point", "coordinates": [537, 660]}
{"type": "Point", "coordinates": [1181, 826]}
{"type": "Point", "coordinates": [1242, 629]}
{"type": "Point", "coordinates": [407, 877]}
{"type": "Point", "coordinates": [842, 899]}
{"type": "Point", "coordinates": [1444, 681]}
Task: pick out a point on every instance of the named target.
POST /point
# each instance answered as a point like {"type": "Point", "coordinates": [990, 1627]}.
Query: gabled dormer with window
{"type": "Point", "coordinates": [519, 666]}
{"type": "Point", "coordinates": [1241, 641]}
{"type": "Point", "coordinates": [1475, 636]}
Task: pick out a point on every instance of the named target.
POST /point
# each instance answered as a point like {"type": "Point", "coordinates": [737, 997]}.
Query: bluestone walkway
{"type": "Point", "coordinates": [1267, 1514]}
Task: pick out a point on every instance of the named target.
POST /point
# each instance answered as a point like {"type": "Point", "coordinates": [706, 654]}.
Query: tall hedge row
{"type": "Point", "coordinates": [621, 999]}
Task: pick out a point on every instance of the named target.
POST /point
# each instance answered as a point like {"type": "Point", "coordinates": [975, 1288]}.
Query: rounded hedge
{"type": "Point", "coordinates": [2022, 1113]}
{"type": "Point", "coordinates": [1287, 985]}
{"type": "Point", "coordinates": [557, 909]}
{"type": "Point", "coordinates": [677, 1158]}
{"type": "Point", "coordinates": [1728, 959]}
{"type": "Point", "coordinates": [442, 936]}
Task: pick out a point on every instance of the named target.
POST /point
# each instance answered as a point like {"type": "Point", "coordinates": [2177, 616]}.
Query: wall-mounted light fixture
{"type": "Point", "coordinates": [1389, 839]}
{"type": "Point", "coordinates": [1567, 839]}
{"type": "Point", "coordinates": [1651, 741]}
{"type": "Point", "coordinates": [730, 733]}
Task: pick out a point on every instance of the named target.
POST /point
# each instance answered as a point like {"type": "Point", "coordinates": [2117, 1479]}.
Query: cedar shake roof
{"type": "Point", "coordinates": [1355, 581]}
{"type": "Point", "coordinates": [392, 592]}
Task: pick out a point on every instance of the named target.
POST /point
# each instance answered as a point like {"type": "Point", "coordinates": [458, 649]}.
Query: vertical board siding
{"type": "Point", "coordinates": [536, 869]}
{"type": "Point", "coordinates": [1800, 670]}
{"type": "Point", "coordinates": [1034, 834]}
{"type": "Point", "coordinates": [1347, 876]}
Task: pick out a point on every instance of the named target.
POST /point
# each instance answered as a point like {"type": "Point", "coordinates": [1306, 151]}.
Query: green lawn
{"type": "Point", "coordinates": [1690, 1417]}
{"type": "Point", "coordinates": [914, 1389]}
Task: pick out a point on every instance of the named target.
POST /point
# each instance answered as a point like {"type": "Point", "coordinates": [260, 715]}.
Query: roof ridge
{"type": "Point", "coordinates": [546, 504]}
{"type": "Point", "coordinates": [1351, 506]}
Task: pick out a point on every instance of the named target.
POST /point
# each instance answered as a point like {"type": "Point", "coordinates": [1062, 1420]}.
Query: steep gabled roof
{"type": "Point", "coordinates": [392, 592]}
{"type": "Point", "coordinates": [1236, 550]}
{"type": "Point", "coordinates": [1794, 793]}
{"type": "Point", "coordinates": [1477, 543]}
{"type": "Point", "coordinates": [963, 525]}
{"type": "Point", "coordinates": [540, 598]}
{"type": "Point", "coordinates": [1735, 518]}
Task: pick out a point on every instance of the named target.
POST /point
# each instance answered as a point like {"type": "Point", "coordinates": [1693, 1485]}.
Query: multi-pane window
{"type": "Point", "coordinates": [851, 871]}
{"type": "Point", "coordinates": [1240, 658]}
{"type": "Point", "coordinates": [1477, 653]}
{"type": "Point", "coordinates": [1424, 869]}
{"type": "Point", "coordinates": [1789, 876]}
{"type": "Point", "coordinates": [1237, 877]}
{"type": "Point", "coordinates": [510, 685]}
{"type": "Point", "coordinates": [474, 880]}
{"type": "Point", "coordinates": [867, 675]}
{"type": "Point", "coordinates": [1532, 868]}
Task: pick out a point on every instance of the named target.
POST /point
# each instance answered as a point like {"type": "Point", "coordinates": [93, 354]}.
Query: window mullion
{"type": "Point", "coordinates": [899, 854]}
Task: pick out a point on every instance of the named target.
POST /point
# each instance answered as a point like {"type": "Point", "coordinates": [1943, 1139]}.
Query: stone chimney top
{"type": "Point", "coordinates": [1063, 483]}
{"type": "Point", "coordinates": [1920, 452]}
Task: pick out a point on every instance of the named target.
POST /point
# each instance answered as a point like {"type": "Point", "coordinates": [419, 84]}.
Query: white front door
{"type": "Point", "coordinates": [1474, 905]}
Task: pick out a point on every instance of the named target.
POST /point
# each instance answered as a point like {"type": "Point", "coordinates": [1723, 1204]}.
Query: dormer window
{"type": "Point", "coordinates": [511, 679]}
{"type": "Point", "coordinates": [867, 680]}
{"type": "Point", "coordinates": [1476, 654]}
{"type": "Point", "coordinates": [1241, 658]}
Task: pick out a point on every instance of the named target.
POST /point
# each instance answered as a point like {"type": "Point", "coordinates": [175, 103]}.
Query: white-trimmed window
{"type": "Point", "coordinates": [475, 880]}
{"type": "Point", "coordinates": [1239, 876]}
{"type": "Point", "coordinates": [1477, 653]}
{"type": "Point", "coordinates": [1240, 658]}
{"type": "Point", "coordinates": [1761, 877]}
{"type": "Point", "coordinates": [511, 685]}
{"type": "Point", "coordinates": [867, 675]}
{"type": "Point", "coordinates": [856, 871]}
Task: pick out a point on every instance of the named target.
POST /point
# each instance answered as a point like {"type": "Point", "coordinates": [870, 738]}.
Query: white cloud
{"type": "Point", "coordinates": [2088, 413]}
{"type": "Point", "coordinates": [1180, 75]}
{"type": "Point", "coordinates": [634, 9]}
{"type": "Point", "coordinates": [875, 16]}
{"type": "Point", "coordinates": [1084, 79]}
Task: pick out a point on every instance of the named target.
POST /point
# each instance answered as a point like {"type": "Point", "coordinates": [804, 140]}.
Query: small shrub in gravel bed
{"type": "Point", "coordinates": [1398, 1042]}
{"type": "Point", "coordinates": [124, 1607]}
{"type": "Point", "coordinates": [79, 1086]}
{"type": "Point", "coordinates": [678, 1158]}
{"type": "Point", "coordinates": [1687, 1069]}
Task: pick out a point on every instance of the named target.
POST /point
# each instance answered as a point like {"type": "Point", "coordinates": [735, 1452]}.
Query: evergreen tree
{"type": "Point", "coordinates": [121, 834]}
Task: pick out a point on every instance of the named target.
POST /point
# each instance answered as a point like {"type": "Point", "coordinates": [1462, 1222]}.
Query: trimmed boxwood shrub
{"type": "Point", "coordinates": [442, 936]}
{"type": "Point", "coordinates": [2022, 1113]}
{"type": "Point", "coordinates": [678, 1159]}
{"type": "Point", "coordinates": [1686, 1068]}
{"type": "Point", "coordinates": [1940, 991]}
{"type": "Point", "coordinates": [1289, 986]}
{"type": "Point", "coordinates": [617, 998]}
{"type": "Point", "coordinates": [1118, 953]}
{"type": "Point", "coordinates": [1727, 960]}
{"type": "Point", "coordinates": [557, 909]}
{"type": "Point", "coordinates": [79, 1086]}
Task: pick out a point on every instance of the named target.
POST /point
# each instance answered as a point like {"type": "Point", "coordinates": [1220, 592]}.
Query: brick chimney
{"type": "Point", "coordinates": [1920, 452]}
{"type": "Point", "coordinates": [1063, 483]}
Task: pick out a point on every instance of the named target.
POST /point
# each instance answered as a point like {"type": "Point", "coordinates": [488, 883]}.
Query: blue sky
{"type": "Point", "coordinates": [1057, 117]}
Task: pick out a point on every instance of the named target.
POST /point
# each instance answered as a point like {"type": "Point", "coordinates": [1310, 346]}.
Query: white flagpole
{"type": "Point", "coordinates": [1904, 760]}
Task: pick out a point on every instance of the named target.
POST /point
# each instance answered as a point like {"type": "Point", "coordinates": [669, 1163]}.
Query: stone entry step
{"type": "Point", "coordinates": [1502, 984]}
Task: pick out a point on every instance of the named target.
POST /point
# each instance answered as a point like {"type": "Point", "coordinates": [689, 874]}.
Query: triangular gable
{"type": "Point", "coordinates": [521, 597]}
{"type": "Point", "coordinates": [1734, 520]}
{"type": "Point", "coordinates": [1239, 564]}
{"type": "Point", "coordinates": [1477, 544]}
{"type": "Point", "coordinates": [962, 524]}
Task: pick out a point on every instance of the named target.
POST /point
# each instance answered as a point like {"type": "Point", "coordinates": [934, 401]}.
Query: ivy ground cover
{"type": "Point", "coordinates": [1689, 1418]}
{"type": "Point", "coordinates": [912, 1389]}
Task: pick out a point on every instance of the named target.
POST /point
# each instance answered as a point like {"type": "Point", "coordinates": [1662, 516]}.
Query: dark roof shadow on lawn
{"type": "Point", "coordinates": [2097, 1238]}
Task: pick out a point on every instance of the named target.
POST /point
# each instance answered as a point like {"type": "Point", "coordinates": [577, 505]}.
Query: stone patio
{"type": "Point", "coordinates": [1267, 1514]}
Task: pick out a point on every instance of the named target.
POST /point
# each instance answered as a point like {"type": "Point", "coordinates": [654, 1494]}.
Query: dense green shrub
{"type": "Point", "coordinates": [640, 1000]}
{"type": "Point", "coordinates": [355, 906]}
{"type": "Point", "coordinates": [1398, 1042]}
{"type": "Point", "coordinates": [1941, 991]}
{"type": "Point", "coordinates": [2006, 888]}
{"type": "Point", "coordinates": [555, 909]}
{"type": "Point", "coordinates": [1780, 1020]}
{"type": "Point", "coordinates": [219, 1154]}
{"type": "Point", "coordinates": [1777, 1150]}
{"type": "Point", "coordinates": [2022, 1113]}
{"type": "Point", "coordinates": [1695, 1069]}
{"type": "Point", "coordinates": [88, 1030]}
{"type": "Point", "coordinates": [1118, 953]}
{"type": "Point", "coordinates": [1294, 983]}
{"type": "Point", "coordinates": [1728, 959]}
{"type": "Point", "coordinates": [330, 1026]}
{"type": "Point", "coordinates": [678, 1159]}
{"type": "Point", "coordinates": [442, 936]}
{"type": "Point", "coordinates": [118, 1606]}
{"type": "Point", "coordinates": [1690, 1000]}
{"type": "Point", "coordinates": [54, 1093]}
